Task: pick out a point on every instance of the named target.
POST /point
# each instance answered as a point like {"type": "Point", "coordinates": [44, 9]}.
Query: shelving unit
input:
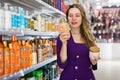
{"type": "Point", "coordinates": [44, 8]}
{"type": "Point", "coordinates": [28, 70]}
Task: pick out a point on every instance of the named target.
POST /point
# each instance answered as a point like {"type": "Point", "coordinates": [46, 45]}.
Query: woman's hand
{"type": "Point", "coordinates": [64, 36]}
{"type": "Point", "coordinates": [94, 59]}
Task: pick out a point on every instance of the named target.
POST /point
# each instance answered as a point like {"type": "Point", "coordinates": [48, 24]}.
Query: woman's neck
{"type": "Point", "coordinates": [75, 31]}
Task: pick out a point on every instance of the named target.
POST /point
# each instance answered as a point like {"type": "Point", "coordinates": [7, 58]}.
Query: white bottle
{"type": "Point", "coordinates": [17, 18]}
{"type": "Point", "coordinates": [21, 17]}
{"type": "Point", "coordinates": [26, 17]}
{"type": "Point", "coordinates": [1, 17]}
{"type": "Point", "coordinates": [7, 17]}
{"type": "Point", "coordinates": [13, 17]}
{"type": "Point", "coordinates": [34, 54]}
{"type": "Point", "coordinates": [40, 53]}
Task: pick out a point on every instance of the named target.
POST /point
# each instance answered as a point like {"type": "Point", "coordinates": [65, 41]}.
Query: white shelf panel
{"type": "Point", "coordinates": [28, 70]}
{"type": "Point", "coordinates": [37, 33]}
{"type": "Point", "coordinates": [10, 32]}
{"type": "Point", "coordinates": [28, 33]}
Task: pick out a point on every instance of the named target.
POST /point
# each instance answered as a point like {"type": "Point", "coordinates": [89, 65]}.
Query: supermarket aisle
{"type": "Point", "coordinates": [108, 70]}
{"type": "Point", "coordinates": [108, 66]}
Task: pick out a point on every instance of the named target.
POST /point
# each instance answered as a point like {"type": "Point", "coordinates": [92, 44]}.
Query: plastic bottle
{"type": "Point", "coordinates": [21, 17]}
{"type": "Point", "coordinates": [13, 17]}
{"type": "Point", "coordinates": [6, 59]}
{"type": "Point", "coordinates": [39, 51]}
{"type": "Point", "coordinates": [63, 25]}
{"type": "Point", "coordinates": [28, 53]}
{"type": "Point", "coordinates": [26, 17]}
{"type": "Point", "coordinates": [7, 17]}
{"type": "Point", "coordinates": [1, 56]}
{"type": "Point", "coordinates": [12, 58]}
{"type": "Point", "coordinates": [23, 55]}
{"type": "Point", "coordinates": [54, 46]}
{"type": "Point", "coordinates": [16, 48]}
{"type": "Point", "coordinates": [34, 54]}
{"type": "Point", "coordinates": [1, 17]}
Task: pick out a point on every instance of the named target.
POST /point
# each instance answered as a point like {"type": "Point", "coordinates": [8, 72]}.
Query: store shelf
{"type": "Point", "coordinates": [12, 76]}
{"type": "Point", "coordinates": [10, 32]}
{"type": "Point", "coordinates": [54, 10]}
{"type": "Point", "coordinates": [36, 66]}
{"type": "Point", "coordinates": [28, 33]}
{"type": "Point", "coordinates": [41, 6]}
{"type": "Point", "coordinates": [28, 70]}
{"type": "Point", "coordinates": [38, 33]}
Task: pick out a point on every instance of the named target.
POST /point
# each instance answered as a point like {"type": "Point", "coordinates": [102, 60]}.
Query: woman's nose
{"type": "Point", "coordinates": [73, 18]}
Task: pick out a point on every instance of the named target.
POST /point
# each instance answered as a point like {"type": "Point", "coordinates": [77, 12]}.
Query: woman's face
{"type": "Point", "coordinates": [74, 18]}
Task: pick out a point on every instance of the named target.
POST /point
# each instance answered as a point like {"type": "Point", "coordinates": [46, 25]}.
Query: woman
{"type": "Point", "coordinates": [73, 51]}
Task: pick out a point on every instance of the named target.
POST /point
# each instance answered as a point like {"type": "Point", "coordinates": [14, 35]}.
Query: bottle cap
{"type": "Point", "coordinates": [62, 20]}
{"type": "Point", "coordinates": [13, 37]}
{"type": "Point", "coordinates": [5, 43]}
{"type": "Point", "coordinates": [10, 45]}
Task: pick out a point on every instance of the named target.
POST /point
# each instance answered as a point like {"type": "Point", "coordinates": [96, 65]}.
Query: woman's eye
{"type": "Point", "coordinates": [70, 15]}
{"type": "Point", "coordinates": [77, 15]}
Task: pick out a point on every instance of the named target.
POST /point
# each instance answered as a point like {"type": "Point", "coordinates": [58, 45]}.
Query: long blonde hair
{"type": "Point", "coordinates": [85, 29]}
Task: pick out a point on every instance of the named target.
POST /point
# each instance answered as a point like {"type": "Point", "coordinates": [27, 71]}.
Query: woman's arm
{"type": "Point", "coordinates": [62, 57]}
{"type": "Point", "coordinates": [63, 52]}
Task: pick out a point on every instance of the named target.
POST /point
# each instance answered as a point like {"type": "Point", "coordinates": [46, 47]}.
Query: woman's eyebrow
{"type": "Point", "coordinates": [74, 13]}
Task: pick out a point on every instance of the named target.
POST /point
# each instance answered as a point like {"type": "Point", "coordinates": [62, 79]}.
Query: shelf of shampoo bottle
{"type": "Point", "coordinates": [42, 6]}
{"type": "Point", "coordinates": [27, 70]}
{"type": "Point", "coordinates": [20, 32]}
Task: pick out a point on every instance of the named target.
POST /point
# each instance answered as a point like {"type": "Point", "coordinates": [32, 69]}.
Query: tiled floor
{"type": "Point", "coordinates": [108, 70]}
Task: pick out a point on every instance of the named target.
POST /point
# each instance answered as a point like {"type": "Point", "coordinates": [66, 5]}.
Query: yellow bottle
{"type": "Point", "coordinates": [63, 25]}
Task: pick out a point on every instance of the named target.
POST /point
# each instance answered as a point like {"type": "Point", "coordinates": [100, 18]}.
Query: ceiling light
{"type": "Point", "coordinates": [97, 0]}
{"type": "Point", "coordinates": [109, 5]}
{"type": "Point", "coordinates": [98, 7]}
{"type": "Point", "coordinates": [118, 5]}
{"type": "Point", "coordinates": [98, 3]}
{"type": "Point", "coordinates": [114, 1]}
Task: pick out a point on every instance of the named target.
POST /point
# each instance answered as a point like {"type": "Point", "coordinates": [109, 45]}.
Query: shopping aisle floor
{"type": "Point", "coordinates": [108, 70]}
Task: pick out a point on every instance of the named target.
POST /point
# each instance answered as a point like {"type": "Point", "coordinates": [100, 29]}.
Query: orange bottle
{"type": "Point", "coordinates": [12, 58]}
{"type": "Point", "coordinates": [20, 44]}
{"type": "Point", "coordinates": [47, 26]}
{"type": "Point", "coordinates": [1, 56]}
{"type": "Point", "coordinates": [6, 59]}
{"type": "Point", "coordinates": [47, 48]}
{"type": "Point", "coordinates": [31, 55]}
{"type": "Point", "coordinates": [23, 55]}
{"type": "Point", "coordinates": [16, 48]}
{"type": "Point", "coordinates": [54, 47]}
{"type": "Point", "coordinates": [28, 53]}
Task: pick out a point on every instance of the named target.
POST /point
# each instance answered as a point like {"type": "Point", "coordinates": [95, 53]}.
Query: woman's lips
{"type": "Point", "coordinates": [74, 23]}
